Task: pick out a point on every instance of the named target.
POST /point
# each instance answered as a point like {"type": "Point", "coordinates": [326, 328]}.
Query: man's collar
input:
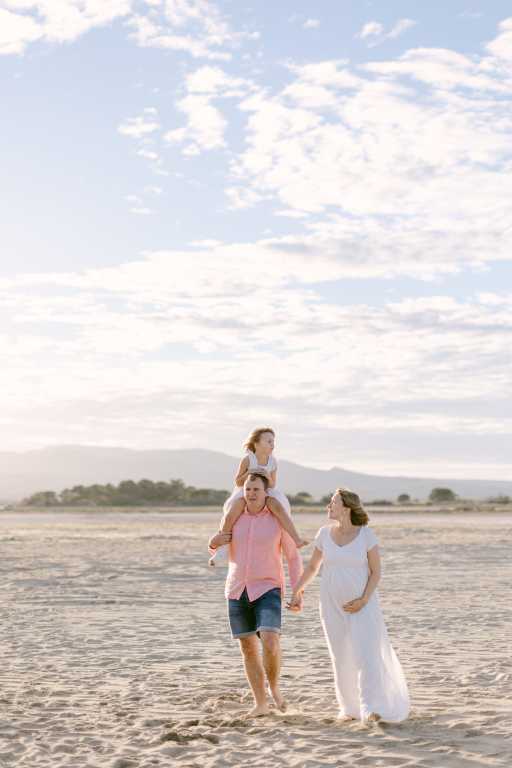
{"type": "Point", "coordinates": [262, 511]}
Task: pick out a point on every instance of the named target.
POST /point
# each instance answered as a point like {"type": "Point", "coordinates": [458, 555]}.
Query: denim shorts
{"type": "Point", "coordinates": [249, 618]}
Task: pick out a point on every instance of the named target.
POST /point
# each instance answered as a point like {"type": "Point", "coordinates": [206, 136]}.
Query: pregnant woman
{"type": "Point", "coordinates": [370, 684]}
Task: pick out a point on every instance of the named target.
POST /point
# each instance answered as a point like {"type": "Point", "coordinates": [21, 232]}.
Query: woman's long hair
{"type": "Point", "coordinates": [351, 500]}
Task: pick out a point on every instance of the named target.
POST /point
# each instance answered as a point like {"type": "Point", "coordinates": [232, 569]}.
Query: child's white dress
{"type": "Point", "coordinates": [221, 554]}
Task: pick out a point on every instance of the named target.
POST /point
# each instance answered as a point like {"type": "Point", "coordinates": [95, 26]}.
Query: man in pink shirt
{"type": "Point", "coordinates": [255, 587]}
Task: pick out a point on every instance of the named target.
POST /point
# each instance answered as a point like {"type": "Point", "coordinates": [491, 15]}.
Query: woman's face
{"type": "Point", "coordinates": [336, 510]}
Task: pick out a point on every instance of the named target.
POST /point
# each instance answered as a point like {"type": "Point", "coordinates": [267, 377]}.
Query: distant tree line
{"type": "Point", "coordinates": [128, 493]}
{"type": "Point", "coordinates": [174, 493]}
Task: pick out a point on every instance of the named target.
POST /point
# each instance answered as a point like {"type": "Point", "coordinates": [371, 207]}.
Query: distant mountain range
{"type": "Point", "coordinates": [22, 474]}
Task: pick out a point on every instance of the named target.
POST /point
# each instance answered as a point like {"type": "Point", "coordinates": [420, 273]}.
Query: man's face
{"type": "Point", "coordinates": [254, 491]}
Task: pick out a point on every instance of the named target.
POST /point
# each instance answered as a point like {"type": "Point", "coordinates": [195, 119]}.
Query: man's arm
{"type": "Point", "coordinates": [293, 558]}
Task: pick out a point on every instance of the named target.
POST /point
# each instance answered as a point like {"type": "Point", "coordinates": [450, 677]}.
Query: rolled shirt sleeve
{"type": "Point", "coordinates": [293, 558]}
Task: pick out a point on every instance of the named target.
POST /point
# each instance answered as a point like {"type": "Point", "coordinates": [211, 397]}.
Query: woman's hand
{"type": "Point", "coordinates": [296, 603]}
{"type": "Point", "coordinates": [219, 539]}
{"type": "Point", "coordinates": [353, 606]}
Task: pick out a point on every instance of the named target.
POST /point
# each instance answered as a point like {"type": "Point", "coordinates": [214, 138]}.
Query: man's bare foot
{"type": "Point", "coordinates": [260, 710]}
{"type": "Point", "coordinates": [374, 717]}
{"type": "Point", "coordinates": [279, 700]}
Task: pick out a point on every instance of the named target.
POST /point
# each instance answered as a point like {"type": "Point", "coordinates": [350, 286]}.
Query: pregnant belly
{"type": "Point", "coordinates": [343, 585]}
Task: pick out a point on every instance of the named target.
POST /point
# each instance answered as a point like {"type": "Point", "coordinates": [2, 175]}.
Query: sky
{"type": "Point", "coordinates": [223, 215]}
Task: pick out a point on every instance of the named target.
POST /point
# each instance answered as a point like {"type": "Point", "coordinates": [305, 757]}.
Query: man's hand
{"type": "Point", "coordinates": [219, 539]}
{"type": "Point", "coordinates": [355, 605]}
{"type": "Point", "coordinates": [296, 603]}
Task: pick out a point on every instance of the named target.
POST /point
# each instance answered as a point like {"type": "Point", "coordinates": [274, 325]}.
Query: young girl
{"type": "Point", "coordinates": [259, 458]}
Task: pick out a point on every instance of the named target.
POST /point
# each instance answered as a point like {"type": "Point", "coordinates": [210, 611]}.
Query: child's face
{"type": "Point", "coordinates": [266, 442]}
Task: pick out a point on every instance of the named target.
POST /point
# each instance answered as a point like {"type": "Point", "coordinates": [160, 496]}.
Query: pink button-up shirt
{"type": "Point", "coordinates": [255, 561]}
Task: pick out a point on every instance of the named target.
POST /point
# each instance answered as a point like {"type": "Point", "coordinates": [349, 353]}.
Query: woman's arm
{"type": "Point", "coordinates": [371, 585]}
{"type": "Point", "coordinates": [310, 571]}
{"type": "Point", "coordinates": [241, 475]}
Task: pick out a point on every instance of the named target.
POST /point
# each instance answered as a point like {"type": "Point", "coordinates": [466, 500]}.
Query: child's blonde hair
{"type": "Point", "coordinates": [254, 437]}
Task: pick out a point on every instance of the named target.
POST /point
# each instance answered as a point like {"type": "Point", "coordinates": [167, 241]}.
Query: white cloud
{"type": "Point", "coordinates": [401, 26]}
{"type": "Point", "coordinates": [374, 32]}
{"type": "Point", "coordinates": [421, 367]}
{"type": "Point", "coordinates": [148, 154]}
{"type": "Point", "coordinates": [443, 68]}
{"type": "Point", "coordinates": [371, 29]}
{"type": "Point", "coordinates": [17, 31]}
{"type": "Point", "coordinates": [205, 124]}
{"type": "Point", "coordinates": [501, 46]}
{"type": "Point", "coordinates": [405, 182]}
{"type": "Point", "coordinates": [213, 81]}
{"type": "Point", "coordinates": [140, 126]}
{"type": "Point", "coordinates": [311, 24]}
{"type": "Point", "coordinates": [54, 20]}
{"type": "Point", "coordinates": [204, 129]}
{"type": "Point", "coordinates": [196, 27]}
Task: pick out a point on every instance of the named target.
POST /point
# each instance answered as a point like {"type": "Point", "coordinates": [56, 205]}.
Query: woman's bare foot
{"type": "Point", "coordinates": [374, 717]}
{"type": "Point", "coordinates": [345, 719]}
{"type": "Point", "coordinates": [260, 710]}
{"type": "Point", "coordinates": [279, 700]}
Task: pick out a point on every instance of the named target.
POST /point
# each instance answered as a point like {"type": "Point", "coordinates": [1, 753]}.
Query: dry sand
{"type": "Point", "coordinates": [115, 649]}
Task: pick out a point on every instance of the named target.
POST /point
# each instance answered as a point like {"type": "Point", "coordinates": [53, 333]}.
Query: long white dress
{"type": "Point", "coordinates": [221, 554]}
{"type": "Point", "coordinates": [368, 676]}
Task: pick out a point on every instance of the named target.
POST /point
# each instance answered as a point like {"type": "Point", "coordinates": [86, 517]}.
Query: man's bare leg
{"type": "Point", "coordinates": [255, 674]}
{"type": "Point", "coordinates": [272, 664]}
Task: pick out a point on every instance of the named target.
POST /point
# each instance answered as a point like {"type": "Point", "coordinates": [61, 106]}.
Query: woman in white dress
{"type": "Point", "coordinates": [370, 683]}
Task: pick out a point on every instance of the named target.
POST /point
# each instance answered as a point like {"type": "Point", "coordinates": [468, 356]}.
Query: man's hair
{"type": "Point", "coordinates": [261, 476]}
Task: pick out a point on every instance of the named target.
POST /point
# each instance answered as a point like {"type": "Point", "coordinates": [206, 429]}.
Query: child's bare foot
{"type": "Point", "coordinates": [211, 562]}
{"type": "Point", "coordinates": [260, 710]}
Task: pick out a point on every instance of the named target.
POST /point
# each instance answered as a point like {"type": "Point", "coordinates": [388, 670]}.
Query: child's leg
{"type": "Point", "coordinates": [285, 521]}
{"type": "Point", "coordinates": [230, 518]}
{"type": "Point", "coordinates": [226, 525]}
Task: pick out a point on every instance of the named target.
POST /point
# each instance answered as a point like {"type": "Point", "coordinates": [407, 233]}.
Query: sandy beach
{"type": "Point", "coordinates": [116, 650]}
